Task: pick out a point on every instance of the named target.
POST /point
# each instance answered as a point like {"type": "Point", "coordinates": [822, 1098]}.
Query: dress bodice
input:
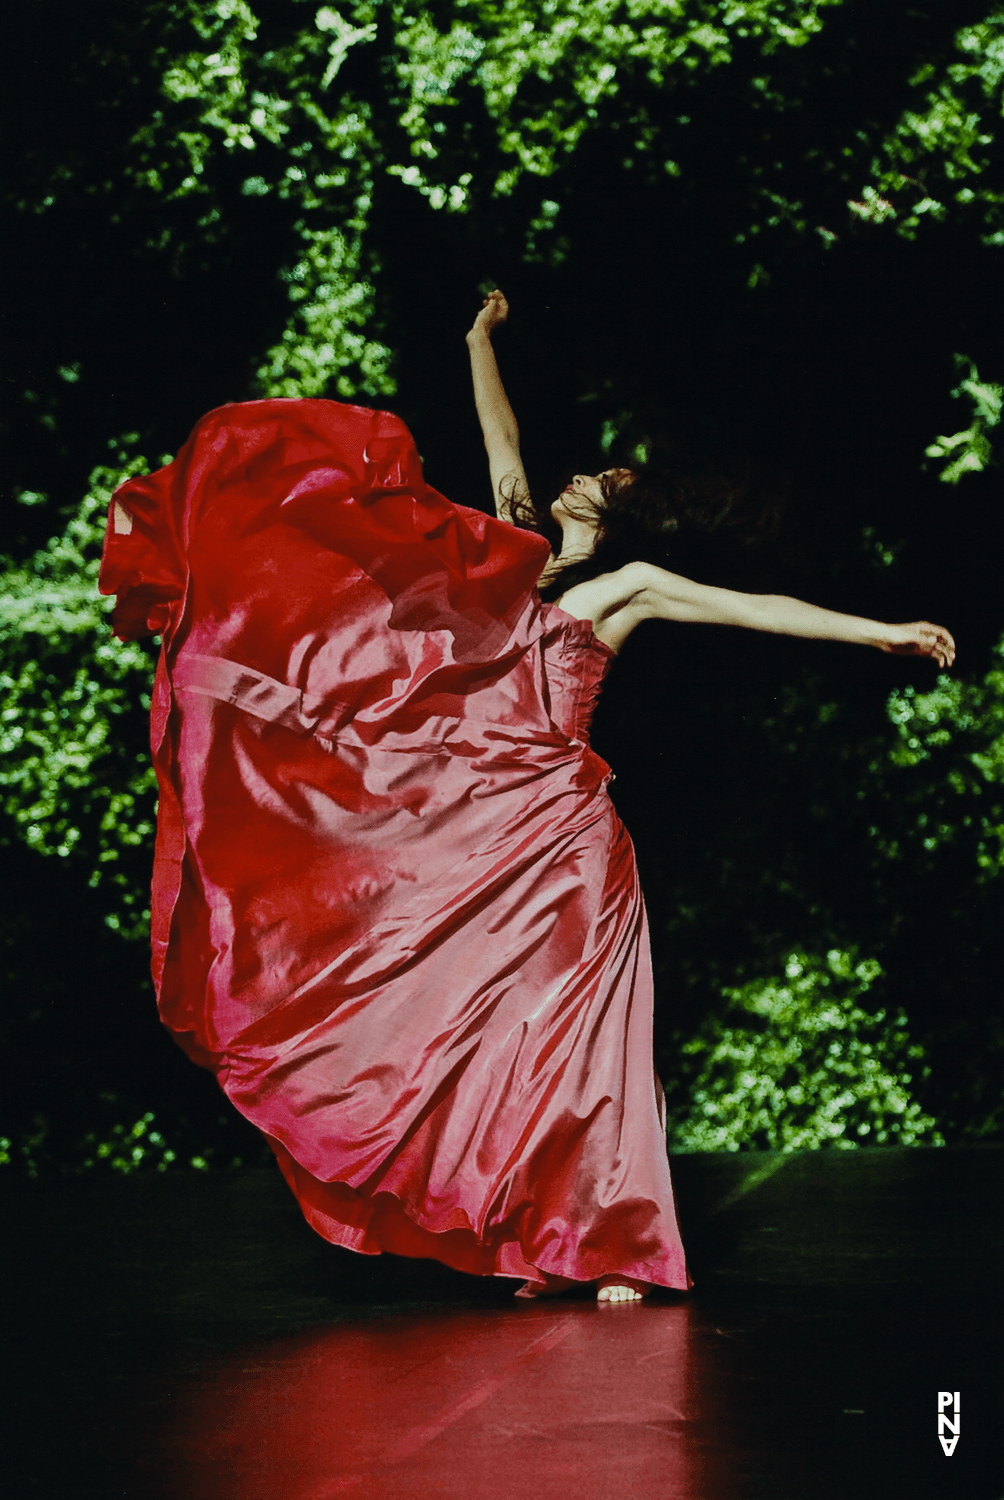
{"type": "Point", "coordinates": [576, 663]}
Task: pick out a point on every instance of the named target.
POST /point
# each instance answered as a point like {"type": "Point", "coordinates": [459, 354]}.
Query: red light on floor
{"type": "Point", "coordinates": [547, 1400]}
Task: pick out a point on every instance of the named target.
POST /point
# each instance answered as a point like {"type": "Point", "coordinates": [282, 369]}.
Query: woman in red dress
{"type": "Point", "coordinates": [393, 908]}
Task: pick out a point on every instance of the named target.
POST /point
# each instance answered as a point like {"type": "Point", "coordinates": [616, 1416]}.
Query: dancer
{"type": "Point", "coordinates": [393, 908]}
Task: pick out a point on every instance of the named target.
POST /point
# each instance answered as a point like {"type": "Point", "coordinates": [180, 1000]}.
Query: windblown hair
{"type": "Point", "coordinates": [688, 520]}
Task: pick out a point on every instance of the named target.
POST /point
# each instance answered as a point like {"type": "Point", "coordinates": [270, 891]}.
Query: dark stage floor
{"type": "Point", "coordinates": [188, 1338]}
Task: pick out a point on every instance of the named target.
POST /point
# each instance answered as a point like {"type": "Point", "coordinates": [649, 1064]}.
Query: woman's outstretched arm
{"type": "Point", "coordinates": [498, 424]}
{"type": "Point", "coordinates": [619, 601]}
{"type": "Point", "coordinates": [668, 596]}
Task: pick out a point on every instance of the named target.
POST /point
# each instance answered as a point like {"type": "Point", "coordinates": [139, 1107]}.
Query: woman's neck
{"type": "Point", "coordinates": [578, 543]}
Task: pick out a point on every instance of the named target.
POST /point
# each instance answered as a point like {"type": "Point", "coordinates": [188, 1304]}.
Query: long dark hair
{"type": "Point", "coordinates": [688, 517]}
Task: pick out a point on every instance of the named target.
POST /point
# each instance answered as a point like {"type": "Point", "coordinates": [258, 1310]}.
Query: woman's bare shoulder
{"type": "Point", "coordinates": [612, 603]}
{"type": "Point", "coordinates": [584, 600]}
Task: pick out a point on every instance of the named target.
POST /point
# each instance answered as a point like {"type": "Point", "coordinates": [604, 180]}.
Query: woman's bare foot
{"type": "Point", "coordinates": [622, 1289]}
{"type": "Point", "coordinates": [611, 1288]}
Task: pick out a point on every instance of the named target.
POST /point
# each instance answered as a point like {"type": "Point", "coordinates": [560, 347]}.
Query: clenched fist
{"type": "Point", "coordinates": [494, 310]}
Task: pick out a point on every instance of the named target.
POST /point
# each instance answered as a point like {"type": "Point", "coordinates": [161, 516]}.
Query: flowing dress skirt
{"type": "Point", "coordinates": [394, 909]}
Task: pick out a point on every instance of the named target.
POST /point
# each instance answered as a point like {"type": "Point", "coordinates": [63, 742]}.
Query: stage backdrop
{"type": "Point", "coordinates": [766, 236]}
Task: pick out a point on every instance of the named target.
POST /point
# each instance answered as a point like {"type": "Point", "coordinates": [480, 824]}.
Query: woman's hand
{"type": "Point", "coordinates": [494, 310]}
{"type": "Point", "coordinates": [920, 639]}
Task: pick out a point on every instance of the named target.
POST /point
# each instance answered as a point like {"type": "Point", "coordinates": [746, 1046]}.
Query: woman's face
{"type": "Point", "coordinates": [582, 499]}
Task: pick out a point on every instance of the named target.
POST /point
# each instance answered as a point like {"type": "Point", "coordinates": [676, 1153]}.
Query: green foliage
{"type": "Point", "coordinates": [75, 778]}
{"type": "Point", "coordinates": [324, 339]}
{"type": "Point", "coordinates": [969, 451]}
{"type": "Point", "coordinates": [544, 71]}
{"type": "Point", "coordinates": [797, 1064]}
{"type": "Point", "coordinates": [44, 1148]}
{"type": "Point", "coordinates": [949, 748]}
{"type": "Point", "coordinates": [124, 1149]}
{"type": "Point", "coordinates": [468, 99]}
{"type": "Point", "coordinates": [548, 76]}
{"type": "Point", "coordinates": [269, 112]}
{"type": "Point", "coordinates": [887, 833]}
{"type": "Point", "coordinates": [936, 160]}
{"type": "Point", "coordinates": [540, 76]}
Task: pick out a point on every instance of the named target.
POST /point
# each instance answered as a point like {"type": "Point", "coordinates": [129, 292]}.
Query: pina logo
{"type": "Point", "coordinates": [948, 1420]}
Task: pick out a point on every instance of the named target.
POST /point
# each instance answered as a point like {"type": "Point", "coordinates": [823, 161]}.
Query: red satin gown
{"type": "Point", "coordinates": [393, 909]}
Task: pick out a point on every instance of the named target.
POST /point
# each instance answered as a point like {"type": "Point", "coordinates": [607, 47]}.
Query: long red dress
{"type": "Point", "coordinates": [393, 907]}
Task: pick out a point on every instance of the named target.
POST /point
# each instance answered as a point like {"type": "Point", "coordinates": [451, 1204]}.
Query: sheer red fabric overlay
{"type": "Point", "coordinates": [393, 908]}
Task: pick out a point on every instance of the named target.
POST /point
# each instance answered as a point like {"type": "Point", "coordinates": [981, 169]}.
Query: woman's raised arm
{"type": "Point", "coordinates": [498, 424]}
{"type": "Point", "coordinates": [642, 591]}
